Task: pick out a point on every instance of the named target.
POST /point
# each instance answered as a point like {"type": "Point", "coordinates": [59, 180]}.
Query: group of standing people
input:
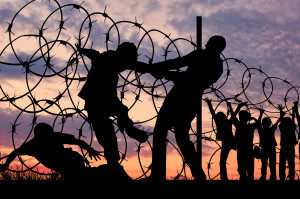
{"type": "Point", "coordinates": [242, 141]}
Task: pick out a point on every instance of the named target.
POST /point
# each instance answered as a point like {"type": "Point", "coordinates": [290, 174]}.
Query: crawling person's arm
{"type": "Point", "coordinates": [65, 138]}
{"type": "Point", "coordinates": [22, 150]}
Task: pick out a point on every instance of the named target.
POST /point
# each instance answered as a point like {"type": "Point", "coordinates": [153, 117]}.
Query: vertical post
{"type": "Point", "coordinates": [199, 112]}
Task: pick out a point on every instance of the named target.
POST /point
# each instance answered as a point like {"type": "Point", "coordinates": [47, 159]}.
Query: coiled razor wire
{"type": "Point", "coordinates": [130, 80]}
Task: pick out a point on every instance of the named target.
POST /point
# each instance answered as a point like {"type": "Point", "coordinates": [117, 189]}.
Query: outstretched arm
{"type": "Point", "coordinates": [70, 139]}
{"type": "Point", "coordinates": [261, 112]}
{"type": "Point", "coordinates": [211, 109]}
{"type": "Point", "coordinates": [169, 75]}
{"type": "Point", "coordinates": [280, 118]}
{"type": "Point", "coordinates": [238, 108]}
{"type": "Point", "coordinates": [90, 53]}
{"type": "Point", "coordinates": [20, 151]}
{"type": "Point", "coordinates": [160, 67]}
{"type": "Point", "coordinates": [233, 118]}
{"type": "Point", "coordinates": [167, 65]}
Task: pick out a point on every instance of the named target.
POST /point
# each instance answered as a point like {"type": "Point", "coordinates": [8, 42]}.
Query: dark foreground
{"type": "Point", "coordinates": [168, 182]}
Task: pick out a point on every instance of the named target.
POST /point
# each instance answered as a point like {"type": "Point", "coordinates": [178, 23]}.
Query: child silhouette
{"type": "Point", "coordinates": [244, 139]}
{"type": "Point", "coordinates": [268, 144]}
{"type": "Point", "coordinates": [224, 133]}
{"type": "Point", "coordinates": [288, 141]}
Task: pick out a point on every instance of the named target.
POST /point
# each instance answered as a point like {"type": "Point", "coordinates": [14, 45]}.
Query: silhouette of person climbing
{"type": "Point", "coordinates": [288, 141]}
{"type": "Point", "coordinates": [47, 147]}
{"type": "Point", "coordinates": [204, 67]}
{"type": "Point", "coordinates": [224, 133]}
{"type": "Point", "coordinates": [101, 99]}
{"type": "Point", "coordinates": [268, 144]}
{"type": "Point", "coordinates": [244, 141]}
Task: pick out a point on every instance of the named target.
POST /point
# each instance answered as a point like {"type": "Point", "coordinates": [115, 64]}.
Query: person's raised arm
{"type": "Point", "coordinates": [211, 109]}
{"type": "Point", "coordinates": [238, 108]}
{"type": "Point", "coordinates": [233, 118]}
{"type": "Point", "coordinates": [261, 112]}
{"type": "Point", "coordinates": [280, 117]}
{"type": "Point", "coordinates": [90, 53]}
{"type": "Point", "coordinates": [256, 123]}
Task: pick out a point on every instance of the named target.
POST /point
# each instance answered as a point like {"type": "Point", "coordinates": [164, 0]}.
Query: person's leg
{"type": "Point", "coordinates": [272, 161]}
{"type": "Point", "coordinates": [264, 164]}
{"type": "Point", "coordinates": [70, 163]}
{"type": "Point", "coordinates": [224, 154]}
{"type": "Point", "coordinates": [291, 162]}
{"type": "Point", "coordinates": [181, 130]}
{"type": "Point", "coordinates": [106, 136]}
{"type": "Point", "coordinates": [242, 168]}
{"type": "Point", "coordinates": [250, 165]}
{"type": "Point", "coordinates": [282, 163]}
{"type": "Point", "coordinates": [159, 151]}
{"type": "Point", "coordinates": [126, 123]}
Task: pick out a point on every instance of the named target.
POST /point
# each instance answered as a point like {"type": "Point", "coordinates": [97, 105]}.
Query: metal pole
{"type": "Point", "coordinates": [199, 112]}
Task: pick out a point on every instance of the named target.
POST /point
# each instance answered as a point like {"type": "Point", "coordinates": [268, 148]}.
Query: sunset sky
{"type": "Point", "coordinates": [264, 34]}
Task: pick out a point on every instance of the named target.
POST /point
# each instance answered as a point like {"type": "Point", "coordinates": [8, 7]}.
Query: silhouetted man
{"type": "Point", "coordinates": [48, 148]}
{"type": "Point", "coordinates": [224, 133]}
{"type": "Point", "coordinates": [268, 144]}
{"type": "Point", "coordinates": [101, 99]}
{"type": "Point", "coordinates": [288, 141]}
{"type": "Point", "coordinates": [244, 139]}
{"type": "Point", "coordinates": [204, 67]}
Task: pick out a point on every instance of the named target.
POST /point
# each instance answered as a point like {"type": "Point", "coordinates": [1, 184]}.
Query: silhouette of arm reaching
{"type": "Point", "coordinates": [22, 150]}
{"type": "Point", "coordinates": [258, 121]}
{"type": "Point", "coordinates": [233, 114]}
{"type": "Point", "coordinates": [238, 108]}
{"type": "Point", "coordinates": [169, 75]}
{"type": "Point", "coordinates": [211, 109]}
{"type": "Point", "coordinates": [160, 69]}
{"type": "Point", "coordinates": [259, 125]}
{"type": "Point", "coordinates": [274, 127]}
{"type": "Point", "coordinates": [70, 139]}
{"type": "Point", "coordinates": [90, 53]}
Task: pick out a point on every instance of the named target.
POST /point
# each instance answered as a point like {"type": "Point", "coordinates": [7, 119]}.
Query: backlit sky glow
{"type": "Point", "coordinates": [263, 33]}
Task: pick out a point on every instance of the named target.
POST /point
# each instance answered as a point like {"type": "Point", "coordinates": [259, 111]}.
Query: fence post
{"type": "Point", "coordinates": [199, 112]}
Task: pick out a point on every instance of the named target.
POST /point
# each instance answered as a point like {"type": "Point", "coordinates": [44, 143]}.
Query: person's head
{"type": "Point", "coordinates": [221, 117]}
{"type": "Point", "coordinates": [42, 129]}
{"type": "Point", "coordinates": [127, 53]}
{"type": "Point", "coordinates": [216, 44]}
{"type": "Point", "coordinates": [244, 116]}
{"type": "Point", "coordinates": [266, 122]}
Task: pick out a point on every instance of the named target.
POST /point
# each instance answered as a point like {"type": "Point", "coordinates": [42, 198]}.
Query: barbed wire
{"type": "Point", "coordinates": [73, 74]}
